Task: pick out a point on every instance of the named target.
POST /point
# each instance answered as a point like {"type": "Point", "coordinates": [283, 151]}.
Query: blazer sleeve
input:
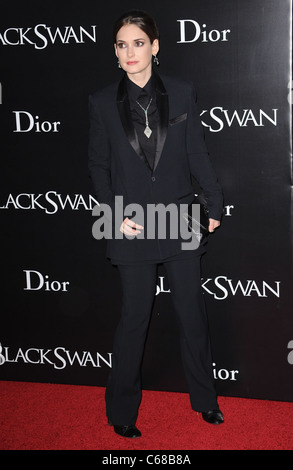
{"type": "Point", "coordinates": [199, 161]}
{"type": "Point", "coordinates": [99, 162]}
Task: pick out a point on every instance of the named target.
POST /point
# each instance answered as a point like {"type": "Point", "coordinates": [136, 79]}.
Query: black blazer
{"type": "Point", "coordinates": [118, 166]}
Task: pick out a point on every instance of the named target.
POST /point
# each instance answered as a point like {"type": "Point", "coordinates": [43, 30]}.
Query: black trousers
{"type": "Point", "coordinates": [123, 391]}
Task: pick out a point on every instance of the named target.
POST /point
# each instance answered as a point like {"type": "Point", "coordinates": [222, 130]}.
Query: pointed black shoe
{"type": "Point", "coordinates": [126, 431]}
{"type": "Point", "coordinates": [213, 417]}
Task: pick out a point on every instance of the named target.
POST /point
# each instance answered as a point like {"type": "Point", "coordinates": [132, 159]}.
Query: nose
{"type": "Point", "coordinates": [130, 51]}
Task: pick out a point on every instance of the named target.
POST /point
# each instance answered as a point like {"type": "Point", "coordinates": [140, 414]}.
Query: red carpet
{"type": "Point", "coordinates": [64, 417]}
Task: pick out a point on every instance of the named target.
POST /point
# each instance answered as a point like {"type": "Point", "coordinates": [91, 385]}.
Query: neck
{"type": "Point", "coordinates": [141, 78]}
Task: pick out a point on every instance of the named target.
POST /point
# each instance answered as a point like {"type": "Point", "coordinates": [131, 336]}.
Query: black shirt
{"type": "Point", "coordinates": [143, 96]}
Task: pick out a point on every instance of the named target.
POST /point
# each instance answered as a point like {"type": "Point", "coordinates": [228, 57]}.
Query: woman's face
{"type": "Point", "coordinates": [134, 50]}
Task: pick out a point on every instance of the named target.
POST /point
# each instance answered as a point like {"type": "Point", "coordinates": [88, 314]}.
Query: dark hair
{"type": "Point", "coordinates": [141, 19]}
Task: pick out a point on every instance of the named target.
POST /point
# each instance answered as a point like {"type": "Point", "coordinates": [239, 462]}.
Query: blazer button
{"type": "Point", "coordinates": [153, 178]}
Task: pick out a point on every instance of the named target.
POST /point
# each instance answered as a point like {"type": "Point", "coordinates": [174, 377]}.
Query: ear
{"type": "Point", "coordinates": [115, 48]}
{"type": "Point", "coordinates": [155, 46]}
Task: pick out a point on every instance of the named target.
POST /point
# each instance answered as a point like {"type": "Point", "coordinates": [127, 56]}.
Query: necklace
{"type": "Point", "coordinates": [147, 130]}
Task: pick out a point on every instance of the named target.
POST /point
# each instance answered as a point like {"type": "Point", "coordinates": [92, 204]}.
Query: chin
{"type": "Point", "coordinates": [132, 69]}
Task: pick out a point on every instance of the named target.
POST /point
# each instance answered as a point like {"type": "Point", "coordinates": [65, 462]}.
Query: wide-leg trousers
{"type": "Point", "coordinates": [123, 391]}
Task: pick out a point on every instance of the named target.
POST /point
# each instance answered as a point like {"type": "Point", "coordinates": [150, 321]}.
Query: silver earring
{"type": "Point", "coordinates": [118, 63]}
{"type": "Point", "coordinates": [156, 60]}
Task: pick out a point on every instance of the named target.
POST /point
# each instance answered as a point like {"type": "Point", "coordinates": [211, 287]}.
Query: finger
{"type": "Point", "coordinates": [131, 223]}
{"type": "Point", "coordinates": [213, 225]}
{"type": "Point", "coordinates": [128, 231]}
{"type": "Point", "coordinates": [124, 228]}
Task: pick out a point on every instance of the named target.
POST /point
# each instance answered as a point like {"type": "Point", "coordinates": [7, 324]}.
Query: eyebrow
{"type": "Point", "coordinates": [139, 39]}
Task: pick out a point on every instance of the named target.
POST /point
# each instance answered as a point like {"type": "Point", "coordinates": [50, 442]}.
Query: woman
{"type": "Point", "coordinates": [146, 144]}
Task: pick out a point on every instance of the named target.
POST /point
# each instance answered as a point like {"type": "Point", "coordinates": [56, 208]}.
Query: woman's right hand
{"type": "Point", "coordinates": [129, 227]}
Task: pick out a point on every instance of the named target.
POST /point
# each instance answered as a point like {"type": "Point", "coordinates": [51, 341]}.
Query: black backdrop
{"type": "Point", "coordinates": [60, 296]}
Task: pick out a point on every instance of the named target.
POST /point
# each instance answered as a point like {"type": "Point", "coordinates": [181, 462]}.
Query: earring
{"type": "Point", "coordinates": [156, 60]}
{"type": "Point", "coordinates": [118, 63]}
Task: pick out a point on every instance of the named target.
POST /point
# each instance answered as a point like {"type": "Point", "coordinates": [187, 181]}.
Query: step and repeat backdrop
{"type": "Point", "coordinates": [60, 296]}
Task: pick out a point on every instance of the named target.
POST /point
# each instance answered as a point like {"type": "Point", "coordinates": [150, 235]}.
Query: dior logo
{"type": "Point", "coordinates": [194, 31]}
{"type": "Point", "coordinates": [224, 374]}
{"type": "Point", "coordinates": [34, 280]}
{"type": "Point", "coordinates": [26, 122]}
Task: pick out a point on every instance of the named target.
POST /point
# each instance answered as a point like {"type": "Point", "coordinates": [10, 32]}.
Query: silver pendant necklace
{"type": "Point", "coordinates": [147, 130]}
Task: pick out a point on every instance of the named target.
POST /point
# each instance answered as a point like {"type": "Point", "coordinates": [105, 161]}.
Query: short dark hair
{"type": "Point", "coordinates": [141, 19]}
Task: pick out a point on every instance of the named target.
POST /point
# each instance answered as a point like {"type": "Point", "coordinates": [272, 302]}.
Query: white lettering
{"type": "Point", "coordinates": [223, 117]}
{"type": "Point", "coordinates": [41, 356]}
{"type": "Point", "coordinates": [27, 201]}
{"type": "Point", "coordinates": [160, 287]}
{"type": "Point", "coordinates": [41, 36]}
{"type": "Point", "coordinates": [198, 31]}
{"type": "Point", "coordinates": [224, 374]}
{"type": "Point", "coordinates": [5, 41]}
{"type": "Point", "coordinates": [227, 211]}
{"type": "Point", "coordinates": [35, 281]}
{"type": "Point", "coordinates": [32, 122]}
{"type": "Point", "coordinates": [221, 287]}
{"type": "Point", "coordinates": [227, 287]}
{"type": "Point", "coordinates": [23, 36]}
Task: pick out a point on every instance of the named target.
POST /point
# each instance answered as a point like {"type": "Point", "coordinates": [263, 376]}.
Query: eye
{"type": "Point", "coordinates": [139, 43]}
{"type": "Point", "coordinates": [121, 45]}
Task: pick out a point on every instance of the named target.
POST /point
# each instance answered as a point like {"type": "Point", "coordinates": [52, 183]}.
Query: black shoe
{"type": "Point", "coordinates": [213, 417]}
{"type": "Point", "coordinates": [126, 431]}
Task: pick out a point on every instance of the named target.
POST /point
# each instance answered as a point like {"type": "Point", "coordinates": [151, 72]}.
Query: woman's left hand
{"type": "Point", "coordinates": [213, 225]}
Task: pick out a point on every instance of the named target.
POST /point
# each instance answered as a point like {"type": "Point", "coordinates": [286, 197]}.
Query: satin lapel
{"type": "Point", "coordinates": [125, 116]}
{"type": "Point", "coordinates": [163, 111]}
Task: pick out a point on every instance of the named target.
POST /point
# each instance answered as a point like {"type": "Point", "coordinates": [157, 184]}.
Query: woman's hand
{"type": "Point", "coordinates": [213, 225]}
{"type": "Point", "coordinates": [129, 227]}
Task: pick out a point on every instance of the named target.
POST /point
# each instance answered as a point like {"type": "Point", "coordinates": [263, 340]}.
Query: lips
{"type": "Point", "coordinates": [132, 62]}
